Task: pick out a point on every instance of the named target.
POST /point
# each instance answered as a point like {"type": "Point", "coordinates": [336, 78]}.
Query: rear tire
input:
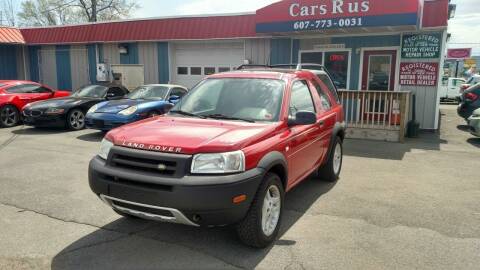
{"type": "Point", "coordinates": [9, 116]}
{"type": "Point", "coordinates": [261, 225]}
{"type": "Point", "coordinates": [331, 170]}
{"type": "Point", "coordinates": [76, 119]}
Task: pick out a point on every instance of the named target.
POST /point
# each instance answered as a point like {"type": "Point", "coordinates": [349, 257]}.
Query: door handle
{"type": "Point", "coordinates": [321, 123]}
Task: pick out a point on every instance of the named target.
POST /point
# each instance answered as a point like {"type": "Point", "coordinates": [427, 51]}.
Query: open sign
{"type": "Point", "coordinates": [337, 57]}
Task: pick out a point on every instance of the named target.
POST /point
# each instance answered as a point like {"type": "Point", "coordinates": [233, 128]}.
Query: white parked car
{"type": "Point", "coordinates": [451, 88]}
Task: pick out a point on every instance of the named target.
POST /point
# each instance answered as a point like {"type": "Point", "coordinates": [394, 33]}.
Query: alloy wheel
{"type": "Point", "coordinates": [77, 120]}
{"type": "Point", "coordinates": [8, 116]}
{"type": "Point", "coordinates": [337, 159]}
{"type": "Point", "coordinates": [271, 210]}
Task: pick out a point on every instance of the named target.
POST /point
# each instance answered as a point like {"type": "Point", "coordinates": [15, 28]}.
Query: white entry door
{"type": "Point", "coordinates": [193, 61]}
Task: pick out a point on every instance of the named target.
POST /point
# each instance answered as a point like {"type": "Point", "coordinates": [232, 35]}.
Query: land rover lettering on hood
{"type": "Point", "coordinates": [226, 153]}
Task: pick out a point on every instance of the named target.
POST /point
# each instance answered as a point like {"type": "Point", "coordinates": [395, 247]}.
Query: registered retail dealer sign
{"type": "Point", "coordinates": [421, 46]}
{"type": "Point", "coordinates": [419, 74]}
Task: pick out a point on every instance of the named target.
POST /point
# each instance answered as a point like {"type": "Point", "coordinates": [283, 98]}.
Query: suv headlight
{"type": "Point", "coordinates": [230, 162]}
{"type": "Point", "coordinates": [105, 147]}
{"type": "Point", "coordinates": [129, 111]}
{"type": "Point", "coordinates": [93, 109]}
{"type": "Point", "coordinates": [54, 111]}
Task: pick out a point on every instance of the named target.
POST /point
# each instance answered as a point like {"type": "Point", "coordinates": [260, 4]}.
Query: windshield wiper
{"type": "Point", "coordinates": [221, 116]}
{"type": "Point", "coordinates": [187, 114]}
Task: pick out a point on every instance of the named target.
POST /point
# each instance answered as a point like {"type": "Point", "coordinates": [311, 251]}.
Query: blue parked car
{"type": "Point", "coordinates": [143, 102]}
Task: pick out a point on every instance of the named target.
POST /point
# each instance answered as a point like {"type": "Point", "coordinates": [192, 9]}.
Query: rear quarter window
{"type": "Point", "coordinates": [330, 87]}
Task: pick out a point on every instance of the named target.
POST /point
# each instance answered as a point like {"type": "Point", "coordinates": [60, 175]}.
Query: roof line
{"type": "Point", "coordinates": [143, 19]}
{"type": "Point", "coordinates": [8, 26]}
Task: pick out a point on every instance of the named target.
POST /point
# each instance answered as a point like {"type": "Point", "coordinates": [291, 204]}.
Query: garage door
{"type": "Point", "coordinates": [193, 61]}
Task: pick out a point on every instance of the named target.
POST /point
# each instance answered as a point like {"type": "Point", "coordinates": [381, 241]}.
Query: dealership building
{"type": "Point", "coordinates": [383, 45]}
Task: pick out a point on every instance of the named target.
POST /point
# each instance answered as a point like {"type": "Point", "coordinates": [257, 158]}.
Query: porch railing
{"type": "Point", "coordinates": [377, 115]}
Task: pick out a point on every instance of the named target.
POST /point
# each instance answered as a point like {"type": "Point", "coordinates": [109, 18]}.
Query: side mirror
{"type": "Point", "coordinates": [174, 99]}
{"type": "Point", "coordinates": [303, 118]}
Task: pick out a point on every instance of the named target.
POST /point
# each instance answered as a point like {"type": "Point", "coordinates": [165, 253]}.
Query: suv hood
{"type": "Point", "coordinates": [190, 135]}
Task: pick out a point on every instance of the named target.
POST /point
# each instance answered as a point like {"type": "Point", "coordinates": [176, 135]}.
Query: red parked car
{"type": "Point", "coordinates": [226, 153]}
{"type": "Point", "coordinates": [14, 95]}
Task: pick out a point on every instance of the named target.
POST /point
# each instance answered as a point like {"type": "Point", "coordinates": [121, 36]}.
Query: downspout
{"type": "Point", "coordinates": [24, 63]}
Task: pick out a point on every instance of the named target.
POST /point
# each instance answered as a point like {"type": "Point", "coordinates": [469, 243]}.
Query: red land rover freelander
{"type": "Point", "coordinates": [227, 152]}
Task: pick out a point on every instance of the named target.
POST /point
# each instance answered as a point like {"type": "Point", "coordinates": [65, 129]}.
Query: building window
{"type": "Point", "coordinates": [209, 71]}
{"type": "Point", "coordinates": [195, 71]}
{"type": "Point", "coordinates": [337, 63]}
{"type": "Point", "coordinates": [182, 71]}
{"type": "Point", "coordinates": [223, 69]}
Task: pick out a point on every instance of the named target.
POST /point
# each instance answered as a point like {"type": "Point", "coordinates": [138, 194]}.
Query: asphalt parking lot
{"type": "Point", "coordinates": [397, 206]}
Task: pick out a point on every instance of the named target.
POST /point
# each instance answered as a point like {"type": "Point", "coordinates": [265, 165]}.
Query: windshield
{"type": "Point", "coordinates": [93, 91]}
{"type": "Point", "coordinates": [149, 92]}
{"type": "Point", "coordinates": [251, 99]}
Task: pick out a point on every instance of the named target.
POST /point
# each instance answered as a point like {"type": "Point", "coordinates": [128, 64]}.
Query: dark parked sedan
{"type": "Point", "coordinates": [70, 111]}
{"type": "Point", "coordinates": [470, 101]}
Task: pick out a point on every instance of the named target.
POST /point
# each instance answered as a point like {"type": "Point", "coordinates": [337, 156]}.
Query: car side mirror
{"type": "Point", "coordinates": [174, 99]}
{"type": "Point", "coordinates": [303, 118]}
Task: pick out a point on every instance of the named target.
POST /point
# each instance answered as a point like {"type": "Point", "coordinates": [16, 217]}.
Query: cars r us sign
{"type": "Point", "coordinates": [294, 16]}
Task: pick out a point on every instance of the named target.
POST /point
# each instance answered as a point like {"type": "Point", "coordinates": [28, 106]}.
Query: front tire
{"type": "Point", "coordinates": [261, 225]}
{"type": "Point", "coordinates": [9, 116]}
{"type": "Point", "coordinates": [330, 171]}
{"type": "Point", "coordinates": [76, 119]}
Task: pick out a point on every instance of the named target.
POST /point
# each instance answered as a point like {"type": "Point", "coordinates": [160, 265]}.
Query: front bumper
{"type": "Point", "coordinates": [108, 121]}
{"type": "Point", "coordinates": [191, 200]}
{"type": "Point", "coordinates": [45, 120]}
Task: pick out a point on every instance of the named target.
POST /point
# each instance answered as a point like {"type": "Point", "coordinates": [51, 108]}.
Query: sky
{"type": "Point", "coordinates": [465, 27]}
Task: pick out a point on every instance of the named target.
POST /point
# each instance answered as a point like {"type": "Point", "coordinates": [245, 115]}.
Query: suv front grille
{"type": "Point", "coordinates": [146, 165]}
{"type": "Point", "coordinates": [148, 162]}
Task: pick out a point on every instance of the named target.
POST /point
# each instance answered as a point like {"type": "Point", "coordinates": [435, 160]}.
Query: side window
{"type": "Point", "coordinates": [117, 92]}
{"type": "Point", "coordinates": [301, 98]}
{"type": "Point", "coordinates": [331, 88]}
{"type": "Point", "coordinates": [42, 89]}
{"type": "Point", "coordinates": [23, 89]}
{"type": "Point", "coordinates": [458, 82]}
{"type": "Point", "coordinates": [178, 92]}
{"type": "Point", "coordinates": [326, 105]}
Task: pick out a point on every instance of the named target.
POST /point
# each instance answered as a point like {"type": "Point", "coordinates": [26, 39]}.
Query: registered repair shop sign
{"type": "Point", "coordinates": [421, 46]}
